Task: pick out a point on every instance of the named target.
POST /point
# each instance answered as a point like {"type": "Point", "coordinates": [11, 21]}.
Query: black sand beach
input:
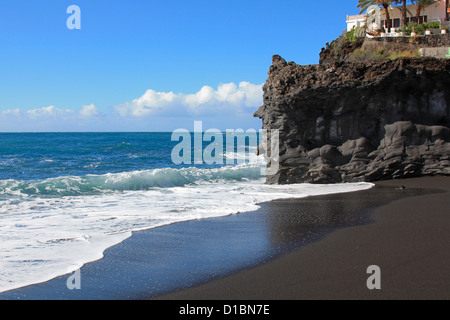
{"type": "Point", "coordinates": [312, 248]}
{"type": "Point", "coordinates": [409, 240]}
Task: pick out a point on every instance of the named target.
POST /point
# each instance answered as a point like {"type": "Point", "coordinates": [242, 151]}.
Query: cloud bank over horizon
{"type": "Point", "coordinates": [227, 105]}
{"type": "Point", "coordinates": [227, 97]}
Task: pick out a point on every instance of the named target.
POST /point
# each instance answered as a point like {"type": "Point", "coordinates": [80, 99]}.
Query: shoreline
{"type": "Point", "coordinates": [233, 242]}
{"type": "Point", "coordinates": [199, 254]}
{"type": "Point", "coordinates": [409, 239]}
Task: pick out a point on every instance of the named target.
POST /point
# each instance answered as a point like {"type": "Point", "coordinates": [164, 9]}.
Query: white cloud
{"type": "Point", "coordinates": [89, 111]}
{"type": "Point", "coordinates": [205, 95]}
{"type": "Point", "coordinates": [46, 112]}
{"type": "Point", "coordinates": [253, 94]}
{"type": "Point", "coordinates": [150, 102]}
{"type": "Point", "coordinates": [51, 112]}
{"type": "Point", "coordinates": [226, 98]}
{"type": "Point", "coordinates": [9, 112]}
{"type": "Point", "coordinates": [151, 98]}
{"type": "Point", "coordinates": [151, 111]}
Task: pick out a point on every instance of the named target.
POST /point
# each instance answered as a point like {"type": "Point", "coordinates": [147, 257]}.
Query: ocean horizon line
{"type": "Point", "coordinates": [65, 132]}
{"type": "Point", "coordinates": [45, 132]}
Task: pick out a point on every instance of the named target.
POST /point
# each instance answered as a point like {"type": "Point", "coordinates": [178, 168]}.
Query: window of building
{"type": "Point", "coordinates": [421, 19]}
{"type": "Point", "coordinates": [384, 22]}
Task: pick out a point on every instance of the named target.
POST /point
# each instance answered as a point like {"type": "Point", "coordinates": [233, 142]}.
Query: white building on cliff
{"type": "Point", "coordinates": [434, 12]}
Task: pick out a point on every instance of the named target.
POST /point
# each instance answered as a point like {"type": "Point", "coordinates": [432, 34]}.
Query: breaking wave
{"type": "Point", "coordinates": [129, 181]}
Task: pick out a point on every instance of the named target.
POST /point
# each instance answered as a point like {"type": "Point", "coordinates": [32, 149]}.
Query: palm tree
{"type": "Point", "coordinates": [365, 4]}
{"type": "Point", "coordinates": [404, 11]}
{"type": "Point", "coordinates": [421, 4]}
{"type": "Point", "coordinates": [446, 10]}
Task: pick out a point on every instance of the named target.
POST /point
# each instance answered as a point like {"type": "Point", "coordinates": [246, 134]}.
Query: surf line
{"type": "Point", "coordinates": [267, 142]}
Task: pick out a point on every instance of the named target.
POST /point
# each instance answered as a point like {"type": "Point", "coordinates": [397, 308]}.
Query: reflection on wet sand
{"type": "Point", "coordinates": [296, 222]}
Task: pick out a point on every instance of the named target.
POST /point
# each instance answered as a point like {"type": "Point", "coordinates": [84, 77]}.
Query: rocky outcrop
{"type": "Point", "coordinates": [342, 121]}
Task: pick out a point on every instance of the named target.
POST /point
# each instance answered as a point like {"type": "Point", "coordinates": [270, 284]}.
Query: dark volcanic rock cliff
{"type": "Point", "coordinates": [344, 121]}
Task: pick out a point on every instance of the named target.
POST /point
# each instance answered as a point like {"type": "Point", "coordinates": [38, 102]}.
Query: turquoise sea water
{"type": "Point", "coordinates": [33, 156]}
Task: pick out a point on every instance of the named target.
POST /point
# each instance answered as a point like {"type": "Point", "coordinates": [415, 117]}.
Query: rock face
{"type": "Point", "coordinates": [342, 122]}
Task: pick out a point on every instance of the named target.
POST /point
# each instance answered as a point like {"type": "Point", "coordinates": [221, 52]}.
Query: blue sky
{"type": "Point", "coordinates": [144, 65]}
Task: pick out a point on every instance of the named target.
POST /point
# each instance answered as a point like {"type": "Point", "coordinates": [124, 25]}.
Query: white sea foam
{"type": "Point", "coordinates": [43, 235]}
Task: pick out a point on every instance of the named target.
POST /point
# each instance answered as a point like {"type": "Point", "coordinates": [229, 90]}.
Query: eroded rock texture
{"type": "Point", "coordinates": [342, 122]}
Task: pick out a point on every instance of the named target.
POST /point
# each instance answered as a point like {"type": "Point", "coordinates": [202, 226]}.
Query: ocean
{"type": "Point", "coordinates": [67, 197]}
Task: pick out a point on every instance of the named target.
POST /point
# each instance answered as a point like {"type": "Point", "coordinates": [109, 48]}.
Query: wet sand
{"type": "Point", "coordinates": [409, 239]}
